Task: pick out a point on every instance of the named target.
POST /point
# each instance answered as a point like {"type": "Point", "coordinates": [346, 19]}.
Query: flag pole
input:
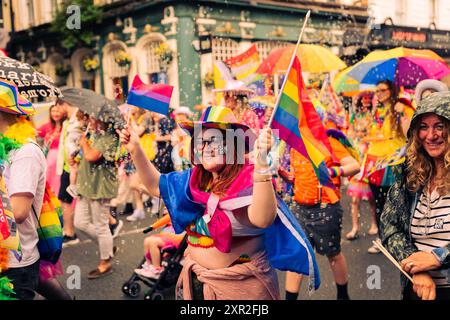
{"type": "Point", "coordinates": [290, 66]}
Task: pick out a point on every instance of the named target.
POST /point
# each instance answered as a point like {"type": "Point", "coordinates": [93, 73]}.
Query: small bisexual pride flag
{"type": "Point", "coordinates": [152, 97]}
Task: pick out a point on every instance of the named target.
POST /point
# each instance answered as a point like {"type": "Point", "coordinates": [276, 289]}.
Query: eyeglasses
{"type": "Point", "coordinates": [214, 143]}
{"type": "Point", "coordinates": [381, 90]}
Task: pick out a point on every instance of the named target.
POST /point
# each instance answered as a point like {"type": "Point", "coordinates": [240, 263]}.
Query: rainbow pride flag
{"type": "Point", "coordinates": [152, 97]}
{"type": "Point", "coordinates": [244, 66]}
{"type": "Point", "coordinates": [297, 122]}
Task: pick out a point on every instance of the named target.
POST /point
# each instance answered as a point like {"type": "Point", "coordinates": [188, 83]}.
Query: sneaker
{"type": "Point", "coordinates": [151, 272]}
{"type": "Point", "coordinates": [155, 206]}
{"type": "Point", "coordinates": [148, 204]}
{"type": "Point", "coordinates": [115, 228]}
{"type": "Point", "coordinates": [373, 250]}
{"type": "Point", "coordinates": [70, 240]}
{"type": "Point", "coordinates": [72, 190]}
{"type": "Point", "coordinates": [128, 209]}
{"type": "Point", "coordinates": [137, 215]}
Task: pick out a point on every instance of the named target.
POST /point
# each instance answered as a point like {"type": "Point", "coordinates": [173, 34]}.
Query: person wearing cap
{"type": "Point", "coordinates": [235, 96]}
{"type": "Point", "coordinates": [25, 176]}
{"type": "Point", "coordinates": [415, 226]}
{"type": "Point", "coordinates": [230, 212]}
{"type": "Point", "coordinates": [428, 86]}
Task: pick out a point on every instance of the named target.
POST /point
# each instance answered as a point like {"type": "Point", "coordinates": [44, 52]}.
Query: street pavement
{"type": "Point", "coordinates": [371, 277]}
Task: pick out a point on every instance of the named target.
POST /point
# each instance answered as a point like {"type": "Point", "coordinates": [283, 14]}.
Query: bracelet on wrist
{"type": "Point", "coordinates": [262, 180]}
{"type": "Point", "coordinates": [335, 172]}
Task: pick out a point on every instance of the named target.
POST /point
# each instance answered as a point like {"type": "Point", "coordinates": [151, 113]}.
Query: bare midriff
{"type": "Point", "coordinates": [211, 258]}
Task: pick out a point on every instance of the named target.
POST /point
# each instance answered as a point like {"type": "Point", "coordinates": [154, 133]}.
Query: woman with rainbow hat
{"type": "Point", "coordinates": [238, 230]}
{"type": "Point", "coordinates": [24, 171]}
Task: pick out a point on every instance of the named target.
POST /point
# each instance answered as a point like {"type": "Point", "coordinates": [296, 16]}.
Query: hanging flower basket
{"type": "Point", "coordinates": [90, 64]}
{"type": "Point", "coordinates": [62, 70]}
{"type": "Point", "coordinates": [208, 80]}
{"type": "Point", "coordinates": [123, 59]}
{"type": "Point", "coordinates": [165, 54]}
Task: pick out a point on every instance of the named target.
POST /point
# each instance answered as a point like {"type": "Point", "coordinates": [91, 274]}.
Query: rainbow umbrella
{"type": "Point", "coordinates": [348, 86]}
{"type": "Point", "coordinates": [313, 58]}
{"type": "Point", "coordinates": [11, 101]}
{"type": "Point", "coordinates": [406, 67]}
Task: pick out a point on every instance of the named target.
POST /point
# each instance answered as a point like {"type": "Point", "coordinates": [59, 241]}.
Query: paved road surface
{"type": "Point", "coordinates": [85, 257]}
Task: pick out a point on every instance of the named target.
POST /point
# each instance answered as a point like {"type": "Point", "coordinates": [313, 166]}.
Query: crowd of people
{"type": "Point", "coordinates": [235, 215]}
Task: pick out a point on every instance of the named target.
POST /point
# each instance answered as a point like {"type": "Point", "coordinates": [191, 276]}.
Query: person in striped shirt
{"type": "Point", "coordinates": [419, 238]}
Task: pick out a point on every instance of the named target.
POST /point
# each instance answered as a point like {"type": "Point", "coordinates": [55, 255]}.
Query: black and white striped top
{"type": "Point", "coordinates": [430, 229]}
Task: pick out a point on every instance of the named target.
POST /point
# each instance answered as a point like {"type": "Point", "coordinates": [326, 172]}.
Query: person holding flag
{"type": "Point", "coordinates": [317, 163]}
{"type": "Point", "coordinates": [238, 229]}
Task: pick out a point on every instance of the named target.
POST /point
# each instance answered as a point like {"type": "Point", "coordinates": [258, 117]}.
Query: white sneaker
{"type": "Point", "coordinates": [373, 250]}
{"type": "Point", "coordinates": [137, 215]}
{"type": "Point", "coordinates": [150, 272]}
{"type": "Point", "coordinates": [155, 206]}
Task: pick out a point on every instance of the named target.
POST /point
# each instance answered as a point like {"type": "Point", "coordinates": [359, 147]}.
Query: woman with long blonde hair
{"type": "Point", "coordinates": [415, 223]}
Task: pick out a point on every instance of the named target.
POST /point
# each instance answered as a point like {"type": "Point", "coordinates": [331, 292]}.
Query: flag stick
{"type": "Point", "coordinates": [290, 66]}
{"type": "Point", "coordinates": [128, 117]}
{"type": "Point", "coordinates": [391, 258]}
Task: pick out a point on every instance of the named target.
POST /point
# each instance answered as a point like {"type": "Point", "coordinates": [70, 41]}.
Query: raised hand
{"type": "Point", "coordinates": [129, 139]}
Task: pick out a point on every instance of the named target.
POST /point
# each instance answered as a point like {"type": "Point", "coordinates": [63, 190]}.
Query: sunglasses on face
{"type": "Point", "coordinates": [381, 90]}
{"type": "Point", "coordinates": [214, 143]}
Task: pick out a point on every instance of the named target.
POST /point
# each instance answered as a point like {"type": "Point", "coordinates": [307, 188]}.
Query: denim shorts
{"type": "Point", "coordinates": [322, 226]}
{"type": "Point", "coordinates": [25, 280]}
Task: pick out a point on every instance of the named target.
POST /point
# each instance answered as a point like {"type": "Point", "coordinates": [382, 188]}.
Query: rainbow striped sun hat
{"type": "Point", "coordinates": [216, 117]}
{"type": "Point", "coordinates": [11, 101]}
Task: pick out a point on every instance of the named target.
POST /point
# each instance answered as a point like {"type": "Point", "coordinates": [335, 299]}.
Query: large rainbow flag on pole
{"type": "Point", "coordinates": [296, 121]}
{"type": "Point", "coordinates": [152, 97]}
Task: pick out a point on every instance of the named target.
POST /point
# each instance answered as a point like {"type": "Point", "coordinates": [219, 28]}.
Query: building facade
{"type": "Point", "coordinates": [174, 42]}
{"type": "Point", "coordinates": [418, 24]}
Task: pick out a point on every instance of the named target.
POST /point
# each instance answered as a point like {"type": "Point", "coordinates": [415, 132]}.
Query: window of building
{"type": "Point", "coordinates": [265, 47]}
{"type": "Point", "coordinates": [153, 67]}
{"type": "Point", "coordinates": [224, 48]}
{"type": "Point", "coordinates": [116, 77]}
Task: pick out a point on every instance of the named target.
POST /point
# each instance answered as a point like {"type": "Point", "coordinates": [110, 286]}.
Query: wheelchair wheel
{"type": "Point", "coordinates": [133, 289]}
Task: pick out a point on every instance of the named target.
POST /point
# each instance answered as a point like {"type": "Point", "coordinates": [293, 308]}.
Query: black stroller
{"type": "Point", "coordinates": [170, 260]}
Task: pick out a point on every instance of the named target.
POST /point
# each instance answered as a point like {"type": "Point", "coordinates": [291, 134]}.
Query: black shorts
{"type": "Point", "coordinates": [25, 280]}
{"type": "Point", "coordinates": [63, 195]}
{"type": "Point", "coordinates": [322, 226]}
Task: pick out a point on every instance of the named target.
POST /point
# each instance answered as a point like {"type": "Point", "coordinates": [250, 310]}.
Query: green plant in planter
{"type": "Point", "coordinates": [72, 38]}
{"type": "Point", "coordinates": [208, 80]}
{"type": "Point", "coordinates": [90, 64]}
{"type": "Point", "coordinates": [123, 59]}
{"type": "Point", "coordinates": [165, 54]}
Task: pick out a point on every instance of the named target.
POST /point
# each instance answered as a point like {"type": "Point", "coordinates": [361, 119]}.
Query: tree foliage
{"type": "Point", "coordinates": [89, 16]}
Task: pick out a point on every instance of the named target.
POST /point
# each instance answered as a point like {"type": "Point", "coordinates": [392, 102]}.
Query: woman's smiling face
{"type": "Point", "coordinates": [432, 135]}
{"type": "Point", "coordinates": [211, 149]}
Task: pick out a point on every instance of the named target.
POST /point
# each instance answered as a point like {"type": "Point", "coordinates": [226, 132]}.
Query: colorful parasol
{"type": "Point", "coordinates": [313, 58]}
{"type": "Point", "coordinates": [348, 86]}
{"type": "Point", "coordinates": [13, 102]}
{"type": "Point", "coordinates": [406, 67]}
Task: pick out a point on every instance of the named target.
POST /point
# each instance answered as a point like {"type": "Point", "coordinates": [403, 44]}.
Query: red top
{"type": "Point", "coordinates": [50, 134]}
